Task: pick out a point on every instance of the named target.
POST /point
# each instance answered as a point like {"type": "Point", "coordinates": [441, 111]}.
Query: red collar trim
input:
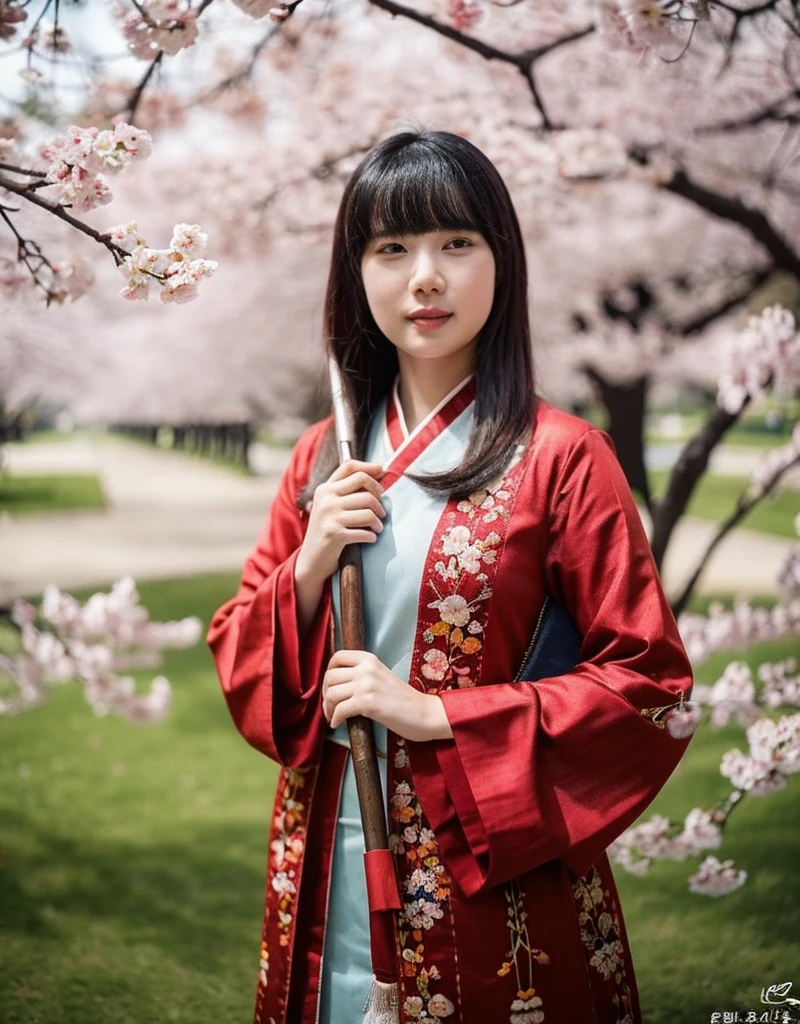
{"type": "Point", "coordinates": [412, 445]}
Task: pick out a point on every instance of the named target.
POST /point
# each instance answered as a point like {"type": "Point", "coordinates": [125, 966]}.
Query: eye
{"type": "Point", "coordinates": [391, 248]}
{"type": "Point", "coordinates": [459, 243]}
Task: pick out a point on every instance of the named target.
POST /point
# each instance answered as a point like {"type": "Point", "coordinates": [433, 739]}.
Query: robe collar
{"type": "Point", "coordinates": [407, 447]}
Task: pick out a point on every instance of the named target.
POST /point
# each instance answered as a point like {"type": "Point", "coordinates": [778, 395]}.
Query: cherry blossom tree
{"type": "Point", "coordinates": [650, 147]}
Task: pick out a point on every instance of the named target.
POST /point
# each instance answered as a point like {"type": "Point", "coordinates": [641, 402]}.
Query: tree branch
{"type": "Point", "coordinates": [729, 208]}
{"type": "Point", "coordinates": [244, 72]}
{"type": "Point", "coordinates": [773, 112]}
{"type": "Point", "coordinates": [523, 61]}
{"type": "Point", "coordinates": [29, 252]}
{"type": "Point", "coordinates": [699, 322]}
{"type": "Point", "coordinates": [743, 506]}
{"type": "Point", "coordinates": [692, 463]}
{"type": "Point", "coordinates": [119, 254]}
{"type": "Point", "coordinates": [136, 95]}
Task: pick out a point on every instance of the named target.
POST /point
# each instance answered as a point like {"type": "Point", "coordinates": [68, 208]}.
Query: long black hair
{"type": "Point", "coordinates": [409, 184]}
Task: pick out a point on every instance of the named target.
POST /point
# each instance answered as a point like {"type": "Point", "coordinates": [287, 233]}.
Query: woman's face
{"type": "Point", "coordinates": [430, 294]}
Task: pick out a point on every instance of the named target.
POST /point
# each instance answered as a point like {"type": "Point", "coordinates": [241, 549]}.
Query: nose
{"type": "Point", "coordinates": [426, 275]}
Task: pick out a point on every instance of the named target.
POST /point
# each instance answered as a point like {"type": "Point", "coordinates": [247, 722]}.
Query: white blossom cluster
{"type": "Point", "coordinates": [736, 628]}
{"type": "Point", "coordinates": [766, 353]}
{"type": "Point", "coordinates": [93, 643]}
{"type": "Point", "coordinates": [773, 755]}
{"type": "Point", "coordinates": [775, 463]}
{"type": "Point", "coordinates": [158, 25]}
{"type": "Point", "coordinates": [659, 838]}
{"type": "Point", "coordinates": [178, 269]}
{"type": "Point", "coordinates": [717, 878]}
{"type": "Point", "coordinates": [79, 160]}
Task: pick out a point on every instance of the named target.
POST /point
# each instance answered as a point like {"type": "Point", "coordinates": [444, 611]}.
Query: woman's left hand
{"type": "Point", "coordinates": [358, 683]}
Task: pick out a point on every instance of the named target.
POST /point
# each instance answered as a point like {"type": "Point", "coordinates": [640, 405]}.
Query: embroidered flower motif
{"type": "Point", "coordinates": [286, 848]}
{"type": "Point", "coordinates": [455, 541]}
{"type": "Point", "coordinates": [263, 964]}
{"type": "Point", "coordinates": [440, 1006]}
{"type": "Point", "coordinates": [413, 1006]}
{"type": "Point", "coordinates": [436, 665]}
{"type": "Point", "coordinates": [608, 958]}
{"type": "Point", "coordinates": [449, 571]}
{"type": "Point", "coordinates": [453, 609]}
{"type": "Point", "coordinates": [526, 1008]}
{"type": "Point", "coordinates": [598, 917]}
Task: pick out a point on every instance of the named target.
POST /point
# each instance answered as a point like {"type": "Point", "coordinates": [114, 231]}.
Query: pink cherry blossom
{"type": "Point", "coordinates": [92, 643]}
{"type": "Point", "coordinates": [169, 26]}
{"type": "Point", "coordinates": [465, 14]}
{"type": "Point", "coordinates": [72, 278]}
{"type": "Point", "coordinates": [717, 878]}
{"type": "Point", "coordinates": [11, 17]}
{"type": "Point", "coordinates": [765, 352]}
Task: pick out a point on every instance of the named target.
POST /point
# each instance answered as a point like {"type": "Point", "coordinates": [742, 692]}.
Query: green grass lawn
{"type": "Point", "coordinates": [132, 864]}
{"type": "Point", "coordinates": [50, 492]}
{"type": "Point", "coordinates": [716, 496]}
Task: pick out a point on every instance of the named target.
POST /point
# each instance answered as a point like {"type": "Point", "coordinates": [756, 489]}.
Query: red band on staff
{"type": "Point", "coordinates": [383, 892]}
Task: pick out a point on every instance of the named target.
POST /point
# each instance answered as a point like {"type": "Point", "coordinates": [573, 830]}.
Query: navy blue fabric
{"type": "Point", "coordinates": [557, 648]}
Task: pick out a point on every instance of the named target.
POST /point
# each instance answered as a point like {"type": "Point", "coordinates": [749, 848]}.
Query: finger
{"type": "Point", "coordinates": [347, 657]}
{"type": "Point", "coordinates": [344, 710]}
{"type": "Point", "coordinates": [335, 677]}
{"type": "Point", "coordinates": [335, 697]}
{"type": "Point", "coordinates": [361, 519]}
{"type": "Point", "coordinates": [357, 482]}
{"type": "Point", "coordinates": [362, 500]}
{"type": "Point", "coordinates": [352, 467]}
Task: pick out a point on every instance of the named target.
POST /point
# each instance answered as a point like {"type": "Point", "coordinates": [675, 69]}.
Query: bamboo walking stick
{"type": "Point", "coordinates": [383, 1004]}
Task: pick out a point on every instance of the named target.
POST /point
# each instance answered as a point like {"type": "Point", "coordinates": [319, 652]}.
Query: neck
{"type": "Point", "coordinates": [423, 385]}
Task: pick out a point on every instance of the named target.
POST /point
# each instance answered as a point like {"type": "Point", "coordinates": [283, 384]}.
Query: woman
{"type": "Point", "coordinates": [475, 502]}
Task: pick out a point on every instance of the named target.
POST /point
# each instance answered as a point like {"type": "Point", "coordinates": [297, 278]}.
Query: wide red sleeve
{"type": "Point", "coordinates": [560, 767]}
{"type": "Point", "coordinates": [272, 682]}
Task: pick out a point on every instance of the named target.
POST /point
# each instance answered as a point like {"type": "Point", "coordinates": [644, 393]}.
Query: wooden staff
{"type": "Point", "coordinates": [382, 888]}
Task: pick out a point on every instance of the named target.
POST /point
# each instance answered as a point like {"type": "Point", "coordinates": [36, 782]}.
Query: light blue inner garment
{"type": "Point", "coordinates": [393, 568]}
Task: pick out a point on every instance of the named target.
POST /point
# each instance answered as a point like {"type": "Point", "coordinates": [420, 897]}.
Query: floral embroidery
{"type": "Point", "coordinates": [286, 848]}
{"type": "Point", "coordinates": [460, 572]}
{"type": "Point", "coordinates": [598, 918]}
{"type": "Point", "coordinates": [526, 1008]}
{"type": "Point", "coordinates": [453, 640]}
{"type": "Point", "coordinates": [425, 890]}
{"type": "Point", "coordinates": [263, 964]}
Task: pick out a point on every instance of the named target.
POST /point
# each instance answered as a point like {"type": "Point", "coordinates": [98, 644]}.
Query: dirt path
{"type": "Point", "coordinates": [172, 515]}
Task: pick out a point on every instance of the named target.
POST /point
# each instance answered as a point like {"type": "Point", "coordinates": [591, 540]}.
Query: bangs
{"type": "Point", "coordinates": [414, 192]}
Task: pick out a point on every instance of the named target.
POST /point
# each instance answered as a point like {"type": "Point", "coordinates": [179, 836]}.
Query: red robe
{"type": "Point", "coordinates": [511, 913]}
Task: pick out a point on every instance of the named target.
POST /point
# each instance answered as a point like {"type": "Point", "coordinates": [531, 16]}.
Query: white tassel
{"type": "Point", "coordinates": [383, 1004]}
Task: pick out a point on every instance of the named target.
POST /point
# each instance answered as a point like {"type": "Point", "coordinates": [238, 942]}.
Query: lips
{"type": "Point", "coordinates": [430, 318]}
{"type": "Point", "coordinates": [430, 313]}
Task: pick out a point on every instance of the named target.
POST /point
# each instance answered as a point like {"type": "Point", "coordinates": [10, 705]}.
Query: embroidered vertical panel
{"type": "Point", "coordinates": [601, 934]}
{"type": "Point", "coordinates": [456, 587]}
{"type": "Point", "coordinates": [286, 848]}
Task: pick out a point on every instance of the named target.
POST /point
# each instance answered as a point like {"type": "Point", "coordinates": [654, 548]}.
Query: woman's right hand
{"type": "Point", "coordinates": [346, 509]}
